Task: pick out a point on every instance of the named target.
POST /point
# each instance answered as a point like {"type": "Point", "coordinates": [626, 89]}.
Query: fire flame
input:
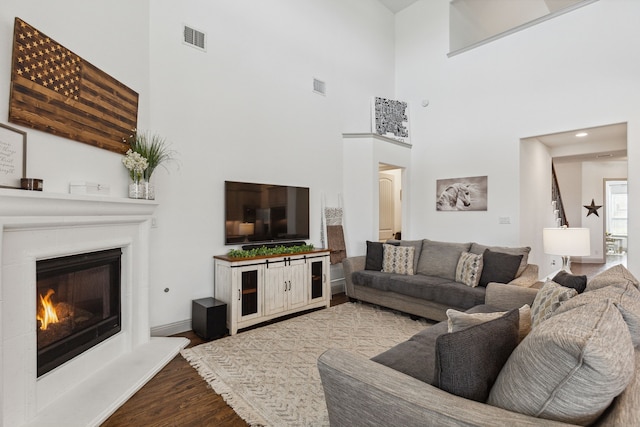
{"type": "Point", "coordinates": [48, 314]}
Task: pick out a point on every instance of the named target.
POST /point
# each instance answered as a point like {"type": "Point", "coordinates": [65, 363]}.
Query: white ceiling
{"type": "Point", "coordinates": [396, 6]}
{"type": "Point", "coordinates": [602, 143]}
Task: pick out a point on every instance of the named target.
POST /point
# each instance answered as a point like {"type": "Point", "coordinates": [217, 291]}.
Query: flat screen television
{"type": "Point", "coordinates": [265, 213]}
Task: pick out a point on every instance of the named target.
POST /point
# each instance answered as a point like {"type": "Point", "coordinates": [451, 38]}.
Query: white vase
{"type": "Point", "coordinates": [135, 189]}
{"type": "Point", "coordinates": [148, 191]}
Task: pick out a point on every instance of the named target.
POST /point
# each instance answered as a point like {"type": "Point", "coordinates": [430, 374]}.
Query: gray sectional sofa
{"type": "Point", "coordinates": [580, 365]}
{"type": "Point", "coordinates": [433, 288]}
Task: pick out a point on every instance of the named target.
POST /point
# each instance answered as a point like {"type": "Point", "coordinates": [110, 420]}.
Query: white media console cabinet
{"type": "Point", "coordinates": [264, 288]}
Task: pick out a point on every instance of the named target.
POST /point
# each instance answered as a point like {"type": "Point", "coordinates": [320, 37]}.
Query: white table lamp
{"type": "Point", "coordinates": [566, 242]}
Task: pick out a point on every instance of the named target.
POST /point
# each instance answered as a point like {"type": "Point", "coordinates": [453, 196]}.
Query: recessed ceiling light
{"type": "Point", "coordinates": [581, 134]}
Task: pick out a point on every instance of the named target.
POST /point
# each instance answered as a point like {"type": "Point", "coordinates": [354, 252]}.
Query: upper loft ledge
{"type": "Point", "coordinates": [15, 202]}
{"type": "Point", "coordinates": [376, 136]}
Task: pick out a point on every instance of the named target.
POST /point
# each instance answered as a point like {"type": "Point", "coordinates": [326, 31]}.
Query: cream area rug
{"type": "Point", "coordinates": [269, 376]}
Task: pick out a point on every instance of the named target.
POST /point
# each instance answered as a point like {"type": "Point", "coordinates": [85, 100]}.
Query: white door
{"type": "Point", "coordinates": [386, 185]}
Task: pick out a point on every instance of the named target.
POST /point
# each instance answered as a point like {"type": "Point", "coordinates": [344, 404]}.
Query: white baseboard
{"type": "Point", "coordinates": [171, 328]}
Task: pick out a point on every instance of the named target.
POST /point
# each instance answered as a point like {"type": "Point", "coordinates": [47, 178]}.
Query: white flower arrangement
{"type": "Point", "coordinates": [136, 164]}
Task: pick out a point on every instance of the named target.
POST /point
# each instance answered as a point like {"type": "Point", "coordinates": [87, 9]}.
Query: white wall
{"type": "Point", "coordinates": [593, 175]}
{"type": "Point", "coordinates": [571, 72]}
{"type": "Point", "coordinates": [245, 111]}
{"type": "Point", "coordinates": [362, 156]}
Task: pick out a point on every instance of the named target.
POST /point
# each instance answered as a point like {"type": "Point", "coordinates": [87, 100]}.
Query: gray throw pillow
{"type": "Point", "coordinates": [625, 297]}
{"type": "Point", "coordinates": [373, 261]}
{"type": "Point", "coordinates": [618, 274]}
{"type": "Point", "coordinates": [569, 368]}
{"type": "Point", "coordinates": [477, 248]}
{"type": "Point", "coordinates": [579, 283]}
{"type": "Point", "coordinates": [499, 267]}
{"type": "Point", "coordinates": [469, 361]}
{"type": "Point", "coordinates": [459, 320]}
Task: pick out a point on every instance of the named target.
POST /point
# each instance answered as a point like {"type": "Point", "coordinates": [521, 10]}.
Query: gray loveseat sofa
{"type": "Point", "coordinates": [564, 377]}
{"type": "Point", "coordinates": [432, 289]}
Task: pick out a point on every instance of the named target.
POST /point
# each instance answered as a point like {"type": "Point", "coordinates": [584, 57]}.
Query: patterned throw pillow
{"type": "Point", "coordinates": [397, 259]}
{"type": "Point", "coordinates": [547, 300]}
{"type": "Point", "coordinates": [469, 269]}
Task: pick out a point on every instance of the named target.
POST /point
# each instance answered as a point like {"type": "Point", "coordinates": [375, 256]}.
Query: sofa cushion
{"type": "Point", "coordinates": [477, 248]}
{"type": "Point", "coordinates": [625, 297]}
{"type": "Point", "coordinates": [440, 259]}
{"type": "Point", "coordinates": [438, 290]}
{"type": "Point", "coordinates": [569, 368]}
{"type": "Point", "coordinates": [416, 356]}
{"type": "Point", "coordinates": [618, 274]}
{"type": "Point", "coordinates": [469, 361]}
{"type": "Point", "coordinates": [459, 320]}
{"type": "Point", "coordinates": [498, 267]}
{"type": "Point", "coordinates": [372, 279]}
{"type": "Point", "coordinates": [469, 269]}
{"type": "Point", "coordinates": [579, 283]}
{"type": "Point", "coordinates": [397, 259]}
{"type": "Point", "coordinates": [373, 261]}
{"type": "Point", "coordinates": [547, 300]}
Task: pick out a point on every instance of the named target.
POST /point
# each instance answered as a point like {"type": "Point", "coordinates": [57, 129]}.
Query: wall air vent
{"type": "Point", "coordinates": [194, 38]}
{"type": "Point", "coordinates": [319, 87]}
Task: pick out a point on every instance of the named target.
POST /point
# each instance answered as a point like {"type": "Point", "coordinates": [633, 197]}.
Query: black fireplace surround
{"type": "Point", "coordinates": [83, 295]}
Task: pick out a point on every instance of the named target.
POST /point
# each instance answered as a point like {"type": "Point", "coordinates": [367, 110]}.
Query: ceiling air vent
{"type": "Point", "coordinates": [194, 38]}
{"type": "Point", "coordinates": [319, 87]}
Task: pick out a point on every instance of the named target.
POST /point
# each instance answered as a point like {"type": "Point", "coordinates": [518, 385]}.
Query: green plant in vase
{"type": "Point", "coordinates": [137, 165]}
{"type": "Point", "coordinates": [155, 149]}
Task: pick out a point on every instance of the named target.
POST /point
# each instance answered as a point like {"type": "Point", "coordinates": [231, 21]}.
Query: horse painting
{"type": "Point", "coordinates": [455, 197]}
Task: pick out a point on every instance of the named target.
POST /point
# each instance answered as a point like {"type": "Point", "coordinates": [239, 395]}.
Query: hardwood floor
{"type": "Point", "coordinates": [591, 270]}
{"type": "Point", "coordinates": [178, 396]}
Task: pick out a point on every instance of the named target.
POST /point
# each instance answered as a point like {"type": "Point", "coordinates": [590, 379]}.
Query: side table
{"type": "Point", "coordinates": [209, 318]}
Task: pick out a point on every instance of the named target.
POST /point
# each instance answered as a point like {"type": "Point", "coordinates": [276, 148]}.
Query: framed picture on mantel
{"type": "Point", "coordinates": [13, 156]}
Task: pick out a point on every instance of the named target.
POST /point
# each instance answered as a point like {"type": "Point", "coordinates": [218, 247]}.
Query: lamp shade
{"type": "Point", "coordinates": [247, 228]}
{"type": "Point", "coordinates": [566, 241]}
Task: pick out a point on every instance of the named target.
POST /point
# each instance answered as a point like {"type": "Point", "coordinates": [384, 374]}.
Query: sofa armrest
{"type": "Point", "coordinates": [361, 392]}
{"type": "Point", "coordinates": [507, 297]}
{"type": "Point", "coordinates": [349, 265]}
{"type": "Point", "coordinates": [528, 277]}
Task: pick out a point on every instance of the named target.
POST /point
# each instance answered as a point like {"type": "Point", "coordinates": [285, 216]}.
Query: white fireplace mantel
{"type": "Point", "coordinates": [87, 389]}
{"type": "Point", "coordinates": [21, 203]}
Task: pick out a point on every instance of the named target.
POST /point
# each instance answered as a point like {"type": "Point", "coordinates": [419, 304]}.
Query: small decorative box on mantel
{"type": "Point", "coordinates": [90, 188]}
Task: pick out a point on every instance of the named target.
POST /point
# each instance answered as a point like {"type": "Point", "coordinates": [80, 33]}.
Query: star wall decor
{"type": "Point", "coordinates": [593, 208]}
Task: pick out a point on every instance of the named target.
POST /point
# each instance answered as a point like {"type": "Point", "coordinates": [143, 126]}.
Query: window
{"type": "Point", "coordinates": [617, 208]}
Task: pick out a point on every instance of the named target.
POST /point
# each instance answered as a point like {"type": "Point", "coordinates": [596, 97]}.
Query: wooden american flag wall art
{"type": "Point", "coordinates": [56, 91]}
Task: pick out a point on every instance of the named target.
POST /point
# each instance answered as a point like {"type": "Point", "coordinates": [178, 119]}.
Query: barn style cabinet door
{"type": "Point", "coordinates": [264, 288]}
